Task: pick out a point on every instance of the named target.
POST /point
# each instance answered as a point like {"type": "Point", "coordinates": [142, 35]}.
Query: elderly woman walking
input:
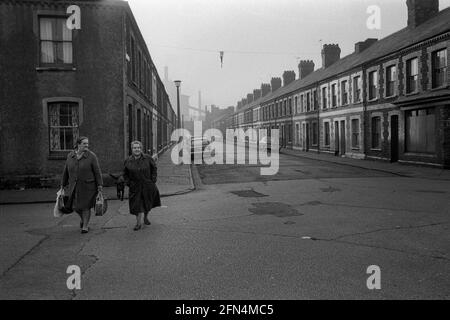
{"type": "Point", "coordinates": [83, 176]}
{"type": "Point", "coordinates": [140, 174]}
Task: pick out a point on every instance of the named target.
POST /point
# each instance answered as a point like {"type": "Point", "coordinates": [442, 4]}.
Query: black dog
{"type": "Point", "coordinates": [120, 186]}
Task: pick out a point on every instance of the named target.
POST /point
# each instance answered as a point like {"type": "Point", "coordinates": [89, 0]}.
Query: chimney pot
{"type": "Point", "coordinates": [363, 45]}
{"type": "Point", "coordinates": [265, 89]}
{"type": "Point", "coordinates": [305, 67]}
{"type": "Point", "coordinates": [275, 83]}
{"type": "Point", "coordinates": [256, 94]}
{"type": "Point", "coordinates": [288, 77]}
{"type": "Point", "coordinates": [331, 53]}
{"type": "Point", "coordinates": [420, 11]}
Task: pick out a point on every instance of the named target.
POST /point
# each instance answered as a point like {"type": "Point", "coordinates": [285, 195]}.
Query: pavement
{"type": "Point", "coordinates": [172, 180]}
{"type": "Point", "coordinates": [310, 232]}
{"type": "Point", "coordinates": [396, 168]}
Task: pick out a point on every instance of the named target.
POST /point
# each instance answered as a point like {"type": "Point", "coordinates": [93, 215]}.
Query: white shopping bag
{"type": "Point", "coordinates": [59, 204]}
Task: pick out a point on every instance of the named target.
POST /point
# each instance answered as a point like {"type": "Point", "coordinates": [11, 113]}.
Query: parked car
{"type": "Point", "coordinates": [204, 143]}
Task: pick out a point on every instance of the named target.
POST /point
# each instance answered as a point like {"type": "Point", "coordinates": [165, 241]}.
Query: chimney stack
{"type": "Point", "coordinates": [305, 67]}
{"type": "Point", "coordinates": [265, 89]}
{"type": "Point", "coordinates": [420, 11]}
{"type": "Point", "coordinates": [363, 45]}
{"type": "Point", "coordinates": [275, 83]}
{"type": "Point", "coordinates": [288, 77]}
{"type": "Point", "coordinates": [239, 105]}
{"type": "Point", "coordinates": [256, 94]}
{"type": "Point", "coordinates": [250, 98]}
{"type": "Point", "coordinates": [331, 53]}
{"type": "Point", "coordinates": [244, 102]}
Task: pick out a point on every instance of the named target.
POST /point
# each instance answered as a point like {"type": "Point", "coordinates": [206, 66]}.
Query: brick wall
{"type": "Point", "coordinates": [98, 81]}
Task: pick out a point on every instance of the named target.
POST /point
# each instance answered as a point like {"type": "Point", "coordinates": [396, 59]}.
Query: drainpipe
{"type": "Point", "coordinates": [318, 118]}
{"type": "Point", "coordinates": [364, 102]}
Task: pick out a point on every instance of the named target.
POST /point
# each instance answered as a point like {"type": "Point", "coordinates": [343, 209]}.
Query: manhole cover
{"type": "Point", "coordinates": [248, 194]}
{"type": "Point", "coordinates": [277, 209]}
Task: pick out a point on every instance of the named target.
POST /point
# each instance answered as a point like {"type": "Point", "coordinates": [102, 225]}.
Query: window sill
{"type": "Point", "coordinates": [390, 97]}
{"type": "Point", "coordinates": [56, 69]}
{"type": "Point", "coordinates": [428, 155]}
{"type": "Point", "coordinates": [357, 149]}
{"type": "Point", "coordinates": [375, 149]}
{"type": "Point", "coordinates": [411, 93]}
{"type": "Point", "coordinates": [439, 88]}
{"type": "Point", "coordinates": [373, 100]}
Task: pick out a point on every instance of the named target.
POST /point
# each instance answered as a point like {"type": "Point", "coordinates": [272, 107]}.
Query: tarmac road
{"type": "Point", "coordinates": [310, 232]}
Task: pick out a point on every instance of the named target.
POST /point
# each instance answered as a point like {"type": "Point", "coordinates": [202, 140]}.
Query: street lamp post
{"type": "Point", "coordinates": [177, 84]}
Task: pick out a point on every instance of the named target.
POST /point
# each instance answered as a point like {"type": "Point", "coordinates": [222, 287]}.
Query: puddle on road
{"type": "Point", "coordinates": [248, 194]}
{"type": "Point", "coordinates": [277, 209]}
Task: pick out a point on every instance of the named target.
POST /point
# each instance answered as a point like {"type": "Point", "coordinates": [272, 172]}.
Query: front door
{"type": "Point", "coordinates": [394, 138]}
{"type": "Point", "coordinates": [307, 137]}
{"type": "Point", "coordinates": [336, 138]}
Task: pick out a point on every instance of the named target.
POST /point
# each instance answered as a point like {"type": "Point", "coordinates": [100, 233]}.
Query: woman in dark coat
{"type": "Point", "coordinates": [83, 176]}
{"type": "Point", "coordinates": [140, 174]}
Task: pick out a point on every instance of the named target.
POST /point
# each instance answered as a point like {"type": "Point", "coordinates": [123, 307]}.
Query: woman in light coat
{"type": "Point", "coordinates": [83, 177]}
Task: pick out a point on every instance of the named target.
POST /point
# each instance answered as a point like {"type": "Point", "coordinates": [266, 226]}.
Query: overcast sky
{"type": "Point", "coordinates": [260, 38]}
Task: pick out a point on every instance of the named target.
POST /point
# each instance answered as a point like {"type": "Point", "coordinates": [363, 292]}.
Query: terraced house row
{"type": "Point", "coordinates": [388, 100]}
{"type": "Point", "coordinates": [57, 84]}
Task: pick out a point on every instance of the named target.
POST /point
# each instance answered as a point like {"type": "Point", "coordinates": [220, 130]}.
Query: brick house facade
{"type": "Point", "coordinates": [388, 100]}
{"type": "Point", "coordinates": [98, 81]}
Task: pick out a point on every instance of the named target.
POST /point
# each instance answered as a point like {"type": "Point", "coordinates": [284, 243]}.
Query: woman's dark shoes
{"type": "Point", "coordinates": [85, 230]}
{"type": "Point", "coordinates": [81, 224]}
{"type": "Point", "coordinates": [146, 221]}
{"type": "Point", "coordinates": [137, 227]}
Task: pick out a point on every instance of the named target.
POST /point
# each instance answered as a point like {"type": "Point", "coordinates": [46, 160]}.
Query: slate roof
{"type": "Point", "coordinates": [399, 40]}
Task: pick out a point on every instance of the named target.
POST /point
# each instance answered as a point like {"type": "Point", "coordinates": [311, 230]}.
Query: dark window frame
{"type": "Point", "coordinates": [412, 80]}
{"type": "Point", "coordinates": [391, 73]}
{"type": "Point", "coordinates": [441, 70]}
{"type": "Point", "coordinates": [373, 85]}
{"type": "Point", "coordinates": [375, 132]}
{"type": "Point", "coordinates": [54, 16]}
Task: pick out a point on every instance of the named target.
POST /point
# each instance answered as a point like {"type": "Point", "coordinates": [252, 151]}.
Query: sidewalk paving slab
{"type": "Point", "coordinates": [399, 169]}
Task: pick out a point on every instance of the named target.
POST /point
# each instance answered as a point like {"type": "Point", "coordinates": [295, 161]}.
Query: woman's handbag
{"type": "Point", "coordinates": [101, 204]}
